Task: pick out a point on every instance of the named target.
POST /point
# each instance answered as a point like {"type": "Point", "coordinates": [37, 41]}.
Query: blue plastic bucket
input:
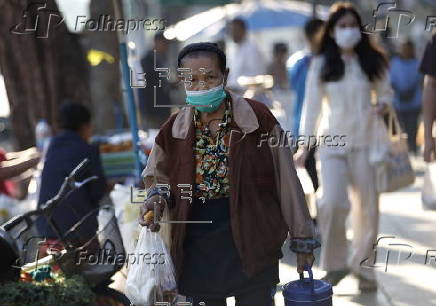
{"type": "Point", "coordinates": [308, 291]}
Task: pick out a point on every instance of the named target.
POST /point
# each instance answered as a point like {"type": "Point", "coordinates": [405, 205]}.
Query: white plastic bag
{"type": "Point", "coordinates": [151, 276]}
{"type": "Point", "coordinates": [428, 194]}
{"type": "Point", "coordinates": [127, 216]}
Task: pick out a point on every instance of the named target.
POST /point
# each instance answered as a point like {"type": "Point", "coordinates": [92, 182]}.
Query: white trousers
{"type": "Point", "coordinates": [347, 177]}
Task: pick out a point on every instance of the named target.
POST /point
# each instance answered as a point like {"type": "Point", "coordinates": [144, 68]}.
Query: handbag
{"type": "Point", "coordinates": [393, 169]}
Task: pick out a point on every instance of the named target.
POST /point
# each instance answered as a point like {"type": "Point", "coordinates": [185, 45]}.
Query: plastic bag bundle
{"type": "Point", "coordinates": [127, 216]}
{"type": "Point", "coordinates": [151, 276]}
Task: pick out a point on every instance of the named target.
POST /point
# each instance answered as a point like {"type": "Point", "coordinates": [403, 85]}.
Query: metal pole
{"type": "Point", "coordinates": [314, 3]}
{"type": "Point", "coordinates": [125, 71]}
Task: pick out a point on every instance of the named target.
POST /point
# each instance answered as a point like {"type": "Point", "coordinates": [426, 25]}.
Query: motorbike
{"type": "Point", "coordinates": [19, 242]}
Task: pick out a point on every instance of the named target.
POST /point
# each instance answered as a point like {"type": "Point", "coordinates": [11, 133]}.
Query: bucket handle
{"type": "Point", "coordinates": [310, 279]}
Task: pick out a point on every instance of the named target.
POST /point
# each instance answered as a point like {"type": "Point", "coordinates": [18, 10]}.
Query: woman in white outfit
{"type": "Point", "coordinates": [343, 80]}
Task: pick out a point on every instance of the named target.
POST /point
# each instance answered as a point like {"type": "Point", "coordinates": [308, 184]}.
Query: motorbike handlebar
{"type": "Point", "coordinates": [67, 187]}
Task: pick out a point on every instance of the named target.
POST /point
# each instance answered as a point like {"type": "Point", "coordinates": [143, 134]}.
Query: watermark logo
{"type": "Point", "coordinates": [430, 23]}
{"type": "Point", "coordinates": [106, 23]}
{"type": "Point", "coordinates": [389, 19]}
{"type": "Point", "coordinates": [37, 19]}
{"type": "Point", "coordinates": [287, 139]}
{"type": "Point", "coordinates": [163, 74]}
{"type": "Point", "coordinates": [110, 257]}
{"type": "Point", "coordinates": [138, 80]}
{"type": "Point", "coordinates": [138, 196]}
{"type": "Point", "coordinates": [106, 254]}
{"type": "Point", "coordinates": [390, 22]}
{"type": "Point", "coordinates": [394, 250]}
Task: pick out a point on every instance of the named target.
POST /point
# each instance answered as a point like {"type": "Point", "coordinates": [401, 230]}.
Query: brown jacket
{"type": "Point", "coordinates": [266, 197]}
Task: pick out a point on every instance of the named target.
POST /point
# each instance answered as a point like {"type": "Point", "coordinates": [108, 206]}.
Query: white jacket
{"type": "Point", "coordinates": [342, 107]}
{"type": "Point", "coordinates": [244, 59]}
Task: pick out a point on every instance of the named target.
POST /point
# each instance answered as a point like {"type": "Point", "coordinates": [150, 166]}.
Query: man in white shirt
{"type": "Point", "coordinates": [244, 57]}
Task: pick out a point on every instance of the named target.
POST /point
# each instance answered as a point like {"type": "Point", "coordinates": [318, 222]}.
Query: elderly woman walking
{"type": "Point", "coordinates": [249, 190]}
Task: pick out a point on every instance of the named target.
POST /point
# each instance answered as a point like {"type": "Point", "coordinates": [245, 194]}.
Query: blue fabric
{"type": "Point", "coordinates": [260, 16]}
{"type": "Point", "coordinates": [304, 245]}
{"type": "Point", "coordinates": [65, 152]}
{"type": "Point", "coordinates": [264, 18]}
{"type": "Point", "coordinates": [297, 72]}
{"type": "Point", "coordinates": [405, 77]}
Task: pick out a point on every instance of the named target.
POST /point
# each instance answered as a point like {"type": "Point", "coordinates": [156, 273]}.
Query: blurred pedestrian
{"type": "Point", "coordinates": [347, 69]}
{"type": "Point", "coordinates": [280, 97]}
{"type": "Point", "coordinates": [277, 68]}
{"type": "Point", "coordinates": [245, 58]}
{"type": "Point", "coordinates": [298, 66]}
{"type": "Point", "coordinates": [252, 205]}
{"type": "Point", "coordinates": [428, 68]}
{"type": "Point", "coordinates": [406, 82]}
{"type": "Point", "coordinates": [153, 115]}
{"type": "Point", "coordinates": [65, 152]}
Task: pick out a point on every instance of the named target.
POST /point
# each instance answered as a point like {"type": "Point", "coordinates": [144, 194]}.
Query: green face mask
{"type": "Point", "coordinates": [208, 100]}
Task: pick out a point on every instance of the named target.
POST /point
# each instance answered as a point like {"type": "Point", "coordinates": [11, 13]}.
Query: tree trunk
{"type": "Point", "coordinates": [106, 76]}
{"type": "Point", "coordinates": [41, 67]}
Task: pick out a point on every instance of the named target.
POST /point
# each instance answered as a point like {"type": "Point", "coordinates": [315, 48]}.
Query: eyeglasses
{"type": "Point", "coordinates": [202, 81]}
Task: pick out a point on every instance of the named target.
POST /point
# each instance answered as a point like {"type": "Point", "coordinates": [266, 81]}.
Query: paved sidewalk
{"type": "Point", "coordinates": [403, 281]}
{"type": "Point", "coordinates": [409, 279]}
{"type": "Point", "coordinates": [403, 276]}
{"type": "Point", "coordinates": [346, 293]}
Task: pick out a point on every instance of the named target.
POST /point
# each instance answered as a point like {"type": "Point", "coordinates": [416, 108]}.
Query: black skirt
{"type": "Point", "coordinates": [212, 266]}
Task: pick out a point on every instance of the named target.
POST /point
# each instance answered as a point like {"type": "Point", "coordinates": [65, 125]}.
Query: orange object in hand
{"type": "Point", "coordinates": [149, 217]}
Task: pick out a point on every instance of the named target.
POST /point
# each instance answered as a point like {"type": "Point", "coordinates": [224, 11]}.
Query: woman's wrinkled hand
{"type": "Point", "coordinates": [304, 259]}
{"type": "Point", "coordinates": [152, 210]}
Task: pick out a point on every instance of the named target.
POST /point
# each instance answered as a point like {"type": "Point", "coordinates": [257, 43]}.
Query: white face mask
{"type": "Point", "coordinates": [347, 38]}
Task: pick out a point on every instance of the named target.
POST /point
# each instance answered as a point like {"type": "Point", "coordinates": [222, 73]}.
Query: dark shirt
{"type": "Point", "coordinates": [428, 64]}
{"type": "Point", "coordinates": [212, 267]}
{"type": "Point", "coordinates": [65, 152]}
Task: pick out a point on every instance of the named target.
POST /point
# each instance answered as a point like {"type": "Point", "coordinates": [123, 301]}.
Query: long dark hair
{"type": "Point", "coordinates": [371, 59]}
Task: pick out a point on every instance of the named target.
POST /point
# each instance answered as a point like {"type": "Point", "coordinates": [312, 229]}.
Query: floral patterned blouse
{"type": "Point", "coordinates": [211, 154]}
